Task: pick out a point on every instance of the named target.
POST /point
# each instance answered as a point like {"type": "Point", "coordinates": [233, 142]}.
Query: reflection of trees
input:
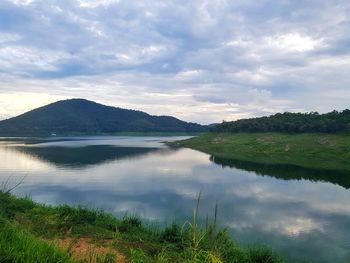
{"type": "Point", "coordinates": [287, 172]}
{"type": "Point", "coordinates": [79, 157]}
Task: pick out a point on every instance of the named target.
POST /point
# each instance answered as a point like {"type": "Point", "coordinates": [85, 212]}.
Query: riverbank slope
{"type": "Point", "coordinates": [31, 232]}
{"type": "Point", "coordinates": [310, 150]}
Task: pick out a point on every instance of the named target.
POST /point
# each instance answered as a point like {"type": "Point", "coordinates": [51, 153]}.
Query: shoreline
{"type": "Point", "coordinates": [33, 232]}
{"type": "Point", "coordinates": [308, 150]}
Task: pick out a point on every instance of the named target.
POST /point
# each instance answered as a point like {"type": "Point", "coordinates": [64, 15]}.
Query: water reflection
{"type": "Point", "coordinates": [287, 172]}
{"type": "Point", "coordinates": [302, 219]}
{"type": "Point", "coordinates": [81, 157]}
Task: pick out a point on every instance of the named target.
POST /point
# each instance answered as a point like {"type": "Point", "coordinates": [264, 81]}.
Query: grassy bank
{"type": "Point", "coordinates": [30, 232]}
{"type": "Point", "coordinates": [321, 151]}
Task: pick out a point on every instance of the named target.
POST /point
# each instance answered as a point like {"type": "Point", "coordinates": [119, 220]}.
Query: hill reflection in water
{"type": "Point", "coordinates": [288, 208]}
{"type": "Point", "coordinates": [80, 157]}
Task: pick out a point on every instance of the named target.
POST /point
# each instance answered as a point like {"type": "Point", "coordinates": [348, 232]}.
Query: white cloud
{"type": "Point", "coordinates": [8, 37]}
{"type": "Point", "coordinates": [209, 60]}
{"type": "Point", "coordinates": [19, 102]}
{"type": "Point", "coordinates": [96, 3]}
{"type": "Point", "coordinates": [27, 59]}
{"type": "Point", "coordinates": [188, 74]}
{"type": "Point", "coordinates": [293, 42]}
{"type": "Point", "coordinates": [137, 55]}
{"type": "Point", "coordinates": [22, 2]}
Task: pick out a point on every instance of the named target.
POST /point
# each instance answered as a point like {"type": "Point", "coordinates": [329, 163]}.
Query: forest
{"type": "Point", "coordinates": [332, 122]}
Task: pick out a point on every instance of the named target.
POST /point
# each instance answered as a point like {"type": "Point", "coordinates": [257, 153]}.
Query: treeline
{"type": "Point", "coordinates": [331, 122]}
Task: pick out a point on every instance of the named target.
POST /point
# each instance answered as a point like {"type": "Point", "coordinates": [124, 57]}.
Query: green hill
{"type": "Point", "coordinates": [79, 116]}
{"type": "Point", "coordinates": [331, 122]}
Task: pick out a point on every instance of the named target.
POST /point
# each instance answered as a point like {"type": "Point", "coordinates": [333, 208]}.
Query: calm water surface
{"type": "Point", "coordinates": [302, 214]}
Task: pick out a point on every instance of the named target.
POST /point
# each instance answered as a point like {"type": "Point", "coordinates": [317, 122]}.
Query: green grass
{"type": "Point", "coordinates": [18, 245]}
{"type": "Point", "coordinates": [310, 150]}
{"type": "Point", "coordinates": [29, 230]}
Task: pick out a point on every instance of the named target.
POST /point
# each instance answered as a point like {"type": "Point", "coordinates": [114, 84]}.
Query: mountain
{"type": "Point", "coordinates": [79, 116]}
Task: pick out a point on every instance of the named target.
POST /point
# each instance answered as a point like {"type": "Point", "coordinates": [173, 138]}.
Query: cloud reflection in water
{"type": "Point", "coordinates": [299, 217]}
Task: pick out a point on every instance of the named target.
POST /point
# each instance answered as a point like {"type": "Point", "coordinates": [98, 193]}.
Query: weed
{"type": "Point", "coordinates": [25, 225]}
{"type": "Point", "coordinates": [137, 256]}
{"type": "Point", "coordinates": [18, 245]}
{"type": "Point", "coordinates": [129, 224]}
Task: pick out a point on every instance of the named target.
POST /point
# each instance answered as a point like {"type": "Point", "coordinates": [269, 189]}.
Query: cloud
{"type": "Point", "coordinates": [26, 60]}
{"type": "Point", "coordinates": [293, 42]}
{"type": "Point", "coordinates": [96, 3]}
{"type": "Point", "coordinates": [203, 61]}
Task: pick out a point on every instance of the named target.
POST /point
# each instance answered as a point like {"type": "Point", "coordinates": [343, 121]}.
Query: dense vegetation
{"type": "Point", "coordinates": [291, 122]}
{"type": "Point", "coordinates": [30, 232]}
{"type": "Point", "coordinates": [310, 150]}
{"type": "Point", "coordinates": [78, 116]}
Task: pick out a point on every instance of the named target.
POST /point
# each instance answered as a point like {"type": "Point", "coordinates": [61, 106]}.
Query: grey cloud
{"type": "Point", "coordinates": [215, 53]}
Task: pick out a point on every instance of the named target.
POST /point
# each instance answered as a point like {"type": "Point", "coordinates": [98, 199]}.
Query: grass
{"type": "Point", "coordinates": [18, 245]}
{"type": "Point", "coordinates": [31, 232]}
{"type": "Point", "coordinates": [309, 150]}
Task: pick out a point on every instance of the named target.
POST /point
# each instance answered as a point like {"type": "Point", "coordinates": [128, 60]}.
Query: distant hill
{"type": "Point", "coordinates": [79, 116]}
{"type": "Point", "coordinates": [291, 122]}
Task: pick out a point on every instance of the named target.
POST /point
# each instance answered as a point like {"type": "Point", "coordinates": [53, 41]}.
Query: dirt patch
{"type": "Point", "coordinates": [268, 138]}
{"type": "Point", "coordinates": [326, 141]}
{"type": "Point", "coordinates": [218, 140]}
{"type": "Point", "coordinates": [85, 249]}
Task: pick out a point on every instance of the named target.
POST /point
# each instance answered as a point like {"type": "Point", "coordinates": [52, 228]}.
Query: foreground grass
{"type": "Point", "coordinates": [30, 232]}
{"type": "Point", "coordinates": [321, 151]}
{"type": "Point", "coordinates": [18, 245]}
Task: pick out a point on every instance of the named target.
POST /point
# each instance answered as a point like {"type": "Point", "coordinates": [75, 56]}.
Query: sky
{"type": "Point", "coordinates": [202, 60]}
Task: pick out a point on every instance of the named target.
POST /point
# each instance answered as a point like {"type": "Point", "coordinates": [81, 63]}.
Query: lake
{"type": "Point", "coordinates": [302, 214]}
